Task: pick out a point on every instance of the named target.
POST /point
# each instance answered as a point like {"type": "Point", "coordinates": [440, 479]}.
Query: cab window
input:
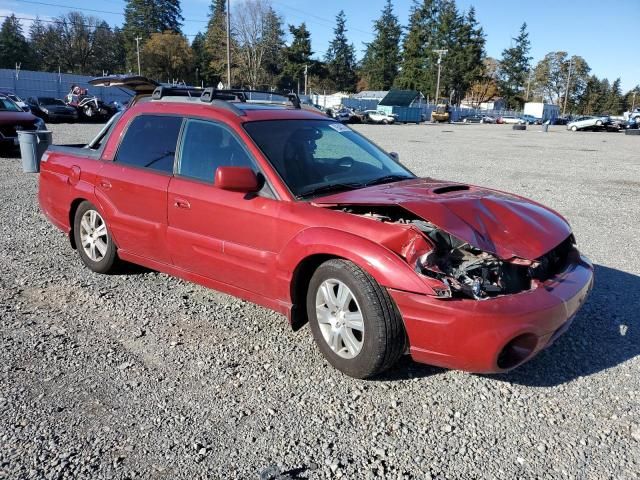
{"type": "Point", "coordinates": [150, 142]}
{"type": "Point", "coordinates": [207, 146]}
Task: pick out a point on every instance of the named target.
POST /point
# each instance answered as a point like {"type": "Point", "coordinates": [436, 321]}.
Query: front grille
{"type": "Point", "coordinates": [554, 261]}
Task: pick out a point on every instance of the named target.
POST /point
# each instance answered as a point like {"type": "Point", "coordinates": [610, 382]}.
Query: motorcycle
{"type": "Point", "coordinates": [88, 106]}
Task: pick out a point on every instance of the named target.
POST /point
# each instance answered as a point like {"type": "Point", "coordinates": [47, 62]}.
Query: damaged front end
{"type": "Point", "coordinates": [465, 270]}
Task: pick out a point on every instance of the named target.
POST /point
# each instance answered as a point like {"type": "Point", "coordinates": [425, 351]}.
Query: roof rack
{"type": "Point", "coordinates": [244, 95]}
{"type": "Point", "coordinates": [176, 91]}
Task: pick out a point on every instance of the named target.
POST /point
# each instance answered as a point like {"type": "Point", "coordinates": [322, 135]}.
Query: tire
{"type": "Point", "coordinates": [377, 338]}
{"type": "Point", "coordinates": [93, 239]}
{"type": "Point", "coordinates": [574, 129]}
{"type": "Point", "coordinates": [88, 111]}
{"type": "Point", "coordinates": [598, 123]}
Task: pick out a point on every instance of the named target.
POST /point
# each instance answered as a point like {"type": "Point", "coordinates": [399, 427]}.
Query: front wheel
{"type": "Point", "coordinates": [598, 123]}
{"type": "Point", "coordinates": [353, 320]}
{"type": "Point", "coordinates": [88, 111]}
{"type": "Point", "coordinates": [574, 128]}
{"type": "Point", "coordinates": [93, 239]}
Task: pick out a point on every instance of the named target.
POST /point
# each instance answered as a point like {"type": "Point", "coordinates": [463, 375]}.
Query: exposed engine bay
{"type": "Point", "coordinates": [467, 271]}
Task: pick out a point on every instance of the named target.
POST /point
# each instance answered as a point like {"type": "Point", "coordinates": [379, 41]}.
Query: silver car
{"type": "Point", "coordinates": [582, 123]}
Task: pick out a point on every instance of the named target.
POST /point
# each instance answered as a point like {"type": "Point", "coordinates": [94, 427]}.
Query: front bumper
{"type": "Point", "coordinates": [474, 335]}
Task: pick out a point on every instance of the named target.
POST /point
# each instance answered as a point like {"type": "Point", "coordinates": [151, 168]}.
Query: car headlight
{"type": "Point", "coordinates": [40, 125]}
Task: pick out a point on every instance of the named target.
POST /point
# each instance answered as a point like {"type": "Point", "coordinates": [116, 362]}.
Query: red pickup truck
{"type": "Point", "coordinates": [292, 210]}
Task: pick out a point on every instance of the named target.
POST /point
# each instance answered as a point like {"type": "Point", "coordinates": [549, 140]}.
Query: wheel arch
{"type": "Point", "coordinates": [72, 215]}
{"type": "Point", "coordinates": [312, 247]}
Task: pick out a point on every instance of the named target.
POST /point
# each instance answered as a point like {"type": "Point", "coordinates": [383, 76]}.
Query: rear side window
{"type": "Point", "coordinates": [207, 146]}
{"type": "Point", "coordinates": [150, 142]}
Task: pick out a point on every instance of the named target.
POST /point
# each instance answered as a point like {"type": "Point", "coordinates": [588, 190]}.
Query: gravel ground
{"type": "Point", "coordinates": [140, 375]}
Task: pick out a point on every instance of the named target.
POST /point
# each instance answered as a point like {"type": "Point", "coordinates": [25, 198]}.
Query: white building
{"type": "Point", "coordinates": [545, 111]}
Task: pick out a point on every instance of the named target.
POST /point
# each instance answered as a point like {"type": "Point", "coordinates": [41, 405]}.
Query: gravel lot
{"type": "Point", "coordinates": [140, 375]}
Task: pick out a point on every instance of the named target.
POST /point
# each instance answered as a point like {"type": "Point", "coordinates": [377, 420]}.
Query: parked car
{"type": "Point", "coordinates": [614, 125]}
{"type": "Point", "coordinates": [560, 121]}
{"type": "Point", "coordinates": [311, 219]}
{"type": "Point", "coordinates": [531, 120]}
{"type": "Point", "coordinates": [14, 118]}
{"type": "Point", "coordinates": [379, 116]}
{"type": "Point", "coordinates": [52, 109]}
{"type": "Point", "coordinates": [16, 99]}
{"type": "Point", "coordinates": [510, 119]}
{"type": "Point", "coordinates": [477, 118]}
{"type": "Point", "coordinates": [586, 123]}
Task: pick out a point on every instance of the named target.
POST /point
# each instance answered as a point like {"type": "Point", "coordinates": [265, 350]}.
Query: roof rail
{"type": "Point", "coordinates": [177, 91]}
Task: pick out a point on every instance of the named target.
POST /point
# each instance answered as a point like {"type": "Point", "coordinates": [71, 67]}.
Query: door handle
{"type": "Point", "coordinates": [105, 184]}
{"type": "Point", "coordinates": [181, 203]}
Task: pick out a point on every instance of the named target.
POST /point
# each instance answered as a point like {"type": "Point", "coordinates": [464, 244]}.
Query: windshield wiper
{"type": "Point", "coordinates": [332, 187]}
{"type": "Point", "coordinates": [387, 179]}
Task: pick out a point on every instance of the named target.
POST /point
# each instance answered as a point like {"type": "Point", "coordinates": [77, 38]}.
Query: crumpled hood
{"type": "Point", "coordinates": [496, 222]}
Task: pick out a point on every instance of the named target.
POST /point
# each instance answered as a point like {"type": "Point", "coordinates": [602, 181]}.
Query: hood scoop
{"type": "Point", "coordinates": [449, 189]}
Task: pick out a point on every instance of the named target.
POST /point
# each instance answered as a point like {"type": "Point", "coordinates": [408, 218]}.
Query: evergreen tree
{"type": "Point", "coordinates": [46, 45]}
{"type": "Point", "coordinates": [200, 59]}
{"type": "Point", "coordinates": [13, 45]}
{"type": "Point", "coordinates": [108, 55]}
{"type": "Point", "coordinates": [382, 57]}
{"type": "Point", "coordinates": [417, 46]}
{"type": "Point", "coordinates": [297, 55]}
{"type": "Point", "coordinates": [514, 69]}
{"type": "Point", "coordinates": [274, 57]}
{"type": "Point", "coordinates": [340, 58]}
{"type": "Point", "coordinates": [613, 101]}
{"type": "Point", "coordinates": [216, 44]}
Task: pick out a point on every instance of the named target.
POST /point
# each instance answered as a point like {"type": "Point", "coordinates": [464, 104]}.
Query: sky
{"type": "Point", "coordinates": [604, 33]}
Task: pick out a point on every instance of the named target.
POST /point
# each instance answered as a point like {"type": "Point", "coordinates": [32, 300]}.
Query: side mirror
{"type": "Point", "coordinates": [395, 156]}
{"type": "Point", "coordinates": [236, 179]}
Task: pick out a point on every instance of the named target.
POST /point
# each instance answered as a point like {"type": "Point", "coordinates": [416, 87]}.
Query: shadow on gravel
{"type": "Point", "coordinates": [406, 369]}
{"type": "Point", "coordinates": [9, 153]}
{"type": "Point", "coordinates": [605, 333]}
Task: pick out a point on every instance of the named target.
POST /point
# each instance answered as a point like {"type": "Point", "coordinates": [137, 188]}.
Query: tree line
{"type": "Point", "coordinates": [266, 53]}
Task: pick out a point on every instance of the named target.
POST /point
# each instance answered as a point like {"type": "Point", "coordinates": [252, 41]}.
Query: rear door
{"type": "Point", "coordinates": [227, 236]}
{"type": "Point", "coordinates": [133, 187]}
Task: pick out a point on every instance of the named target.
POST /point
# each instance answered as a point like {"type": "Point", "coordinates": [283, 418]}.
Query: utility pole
{"type": "Point", "coordinates": [305, 79]}
{"type": "Point", "coordinates": [566, 93]}
{"type": "Point", "coordinates": [633, 103]}
{"type": "Point", "coordinates": [228, 44]}
{"type": "Point", "coordinates": [529, 83]}
{"type": "Point", "coordinates": [138, 52]}
{"type": "Point", "coordinates": [440, 54]}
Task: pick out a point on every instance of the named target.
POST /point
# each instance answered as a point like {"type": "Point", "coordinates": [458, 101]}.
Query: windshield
{"type": "Point", "coordinates": [7, 105]}
{"type": "Point", "coordinates": [320, 157]}
{"type": "Point", "coordinates": [50, 101]}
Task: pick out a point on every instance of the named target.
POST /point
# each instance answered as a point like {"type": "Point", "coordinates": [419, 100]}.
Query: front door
{"type": "Point", "coordinates": [227, 236]}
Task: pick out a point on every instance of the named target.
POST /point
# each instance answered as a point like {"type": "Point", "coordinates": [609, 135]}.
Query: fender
{"type": "Point", "coordinates": [385, 266]}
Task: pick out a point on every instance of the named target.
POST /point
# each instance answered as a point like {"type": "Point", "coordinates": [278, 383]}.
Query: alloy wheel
{"type": "Point", "coordinates": [93, 235]}
{"type": "Point", "coordinates": [340, 318]}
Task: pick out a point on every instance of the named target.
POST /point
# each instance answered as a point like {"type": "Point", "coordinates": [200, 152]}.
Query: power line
{"type": "Point", "coordinates": [29, 19]}
{"type": "Point", "coordinates": [323, 19]}
{"type": "Point", "coordinates": [94, 10]}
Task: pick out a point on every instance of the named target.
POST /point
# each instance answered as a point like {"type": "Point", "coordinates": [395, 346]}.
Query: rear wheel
{"type": "Point", "coordinates": [574, 128]}
{"type": "Point", "coordinates": [93, 239]}
{"type": "Point", "coordinates": [353, 320]}
{"type": "Point", "coordinates": [598, 123]}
